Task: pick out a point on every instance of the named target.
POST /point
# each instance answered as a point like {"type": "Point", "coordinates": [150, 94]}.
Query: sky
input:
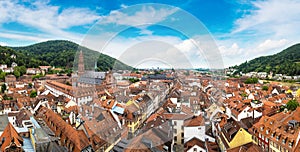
{"type": "Point", "coordinates": [187, 33]}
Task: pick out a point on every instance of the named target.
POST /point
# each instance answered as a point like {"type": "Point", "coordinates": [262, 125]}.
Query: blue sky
{"type": "Point", "coordinates": [241, 29]}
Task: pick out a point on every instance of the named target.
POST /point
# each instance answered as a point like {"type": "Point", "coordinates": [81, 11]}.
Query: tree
{"type": "Point", "coordinates": [5, 97]}
{"type": "Point", "coordinates": [244, 94]}
{"type": "Point", "coordinates": [30, 85]}
{"type": "Point", "coordinates": [251, 80]}
{"type": "Point", "coordinates": [22, 70]}
{"type": "Point", "coordinates": [265, 88]}
{"type": "Point", "coordinates": [33, 94]}
{"type": "Point", "coordinates": [19, 70]}
{"type": "Point", "coordinates": [156, 72]}
{"type": "Point", "coordinates": [17, 73]}
{"type": "Point", "coordinates": [133, 80]}
{"type": "Point", "coordinates": [3, 88]}
{"type": "Point", "coordinates": [292, 105]}
{"type": "Point", "coordinates": [2, 75]}
{"type": "Point", "coordinates": [36, 76]}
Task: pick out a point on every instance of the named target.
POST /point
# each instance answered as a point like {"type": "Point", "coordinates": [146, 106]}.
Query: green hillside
{"type": "Point", "coordinates": [284, 62]}
{"type": "Point", "coordinates": [61, 53]}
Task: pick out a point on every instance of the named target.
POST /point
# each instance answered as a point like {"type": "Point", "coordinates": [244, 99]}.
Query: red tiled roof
{"type": "Point", "coordinates": [195, 121]}
{"type": "Point", "coordinates": [176, 116]}
{"type": "Point", "coordinates": [192, 142]}
{"type": "Point", "coordinates": [76, 137]}
{"type": "Point", "coordinates": [278, 124]}
{"type": "Point", "coordinates": [10, 135]}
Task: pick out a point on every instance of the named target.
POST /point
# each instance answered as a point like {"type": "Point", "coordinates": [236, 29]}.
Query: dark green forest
{"type": "Point", "coordinates": [58, 53]}
{"type": "Point", "coordinates": [285, 62]}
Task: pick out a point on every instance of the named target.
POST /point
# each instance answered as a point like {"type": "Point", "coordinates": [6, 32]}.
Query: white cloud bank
{"type": "Point", "coordinates": [269, 27]}
{"type": "Point", "coordinates": [48, 19]}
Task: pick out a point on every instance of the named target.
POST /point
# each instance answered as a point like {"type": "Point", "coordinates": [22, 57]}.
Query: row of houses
{"type": "Point", "coordinates": [30, 71]}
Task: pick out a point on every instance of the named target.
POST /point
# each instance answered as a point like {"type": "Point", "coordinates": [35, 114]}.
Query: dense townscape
{"type": "Point", "coordinates": [146, 110]}
{"type": "Point", "coordinates": [149, 76]}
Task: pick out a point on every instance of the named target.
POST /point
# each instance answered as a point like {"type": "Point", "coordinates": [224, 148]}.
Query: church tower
{"type": "Point", "coordinates": [80, 64]}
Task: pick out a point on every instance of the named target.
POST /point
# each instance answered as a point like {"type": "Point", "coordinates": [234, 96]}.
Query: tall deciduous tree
{"type": "Point", "coordinates": [3, 88]}
{"type": "Point", "coordinates": [292, 105]}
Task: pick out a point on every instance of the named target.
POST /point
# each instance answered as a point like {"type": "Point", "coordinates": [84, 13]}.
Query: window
{"type": "Point", "coordinates": [175, 138]}
{"type": "Point", "coordinates": [182, 141]}
{"type": "Point", "coordinates": [195, 149]}
{"type": "Point", "coordinates": [182, 134]}
{"type": "Point", "coordinates": [290, 144]}
{"type": "Point", "coordinates": [175, 131]}
{"type": "Point", "coordinates": [175, 123]}
{"type": "Point", "coordinates": [283, 141]}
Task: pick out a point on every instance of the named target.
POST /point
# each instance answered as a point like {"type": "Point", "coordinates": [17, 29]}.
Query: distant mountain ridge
{"type": "Point", "coordinates": [59, 53]}
{"type": "Point", "coordinates": [285, 62]}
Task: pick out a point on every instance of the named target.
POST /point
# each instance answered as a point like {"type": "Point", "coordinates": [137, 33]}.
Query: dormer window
{"type": "Point", "coordinates": [261, 128]}
{"type": "Point", "coordinates": [277, 137]}
{"type": "Point", "coordinates": [272, 135]}
{"type": "Point", "coordinates": [291, 144]}
{"type": "Point", "coordinates": [283, 141]}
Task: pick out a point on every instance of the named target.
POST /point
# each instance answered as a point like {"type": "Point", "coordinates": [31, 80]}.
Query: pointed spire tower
{"type": "Point", "coordinates": [80, 64]}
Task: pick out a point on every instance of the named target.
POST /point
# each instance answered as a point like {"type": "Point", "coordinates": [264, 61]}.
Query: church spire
{"type": "Point", "coordinates": [80, 64]}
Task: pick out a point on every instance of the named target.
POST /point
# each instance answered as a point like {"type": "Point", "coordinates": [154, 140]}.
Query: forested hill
{"type": "Point", "coordinates": [285, 62]}
{"type": "Point", "coordinates": [60, 53]}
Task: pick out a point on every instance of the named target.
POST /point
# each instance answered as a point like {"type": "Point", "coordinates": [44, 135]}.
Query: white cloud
{"type": "Point", "coordinates": [186, 45]}
{"type": "Point", "coordinates": [75, 17]}
{"type": "Point", "coordinates": [146, 32]}
{"type": "Point", "coordinates": [45, 18]}
{"type": "Point", "coordinates": [268, 27]}
{"type": "Point", "coordinates": [235, 54]}
{"type": "Point", "coordinates": [233, 50]}
{"type": "Point", "coordinates": [276, 17]}
{"type": "Point", "coordinates": [147, 15]}
{"type": "Point", "coordinates": [123, 6]}
{"type": "Point", "coordinates": [269, 45]}
{"type": "Point", "coordinates": [20, 36]}
{"type": "Point", "coordinates": [3, 44]}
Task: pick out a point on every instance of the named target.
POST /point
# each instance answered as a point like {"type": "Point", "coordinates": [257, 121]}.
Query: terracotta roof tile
{"type": "Point", "coordinates": [192, 142]}
{"type": "Point", "coordinates": [195, 121]}
{"type": "Point", "coordinates": [10, 135]}
{"type": "Point", "coordinates": [77, 137]}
